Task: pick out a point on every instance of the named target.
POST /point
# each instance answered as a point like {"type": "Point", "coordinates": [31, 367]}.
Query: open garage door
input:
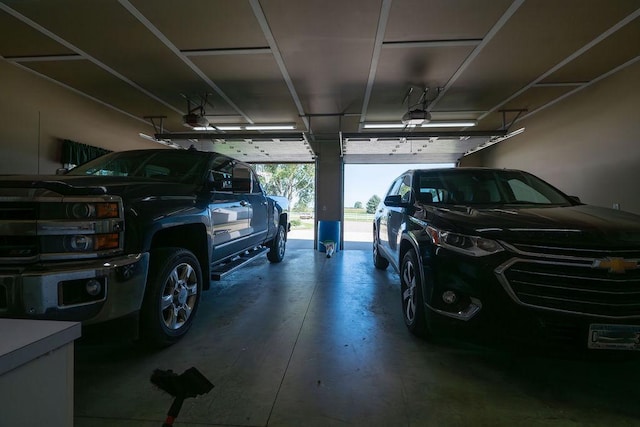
{"type": "Point", "coordinates": [365, 185]}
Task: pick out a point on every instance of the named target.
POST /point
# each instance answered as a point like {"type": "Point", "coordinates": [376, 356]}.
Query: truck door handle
{"type": "Point", "coordinates": [244, 203]}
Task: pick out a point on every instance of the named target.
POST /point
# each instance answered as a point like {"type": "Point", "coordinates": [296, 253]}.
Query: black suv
{"type": "Point", "coordinates": [503, 253]}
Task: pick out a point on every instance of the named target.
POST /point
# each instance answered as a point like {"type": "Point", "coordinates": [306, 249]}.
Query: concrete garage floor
{"type": "Point", "coordinates": [321, 342]}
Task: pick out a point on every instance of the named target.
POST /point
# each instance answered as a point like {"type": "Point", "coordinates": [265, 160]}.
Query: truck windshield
{"type": "Point", "coordinates": [165, 165]}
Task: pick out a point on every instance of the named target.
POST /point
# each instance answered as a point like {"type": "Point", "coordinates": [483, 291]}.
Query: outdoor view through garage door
{"type": "Point", "coordinates": [364, 186]}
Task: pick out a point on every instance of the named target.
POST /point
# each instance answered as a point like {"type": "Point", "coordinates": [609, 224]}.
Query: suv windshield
{"type": "Point", "coordinates": [476, 186]}
{"type": "Point", "coordinates": [165, 165]}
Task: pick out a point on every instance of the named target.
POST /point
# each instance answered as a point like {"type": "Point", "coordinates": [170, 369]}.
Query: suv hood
{"type": "Point", "coordinates": [542, 225]}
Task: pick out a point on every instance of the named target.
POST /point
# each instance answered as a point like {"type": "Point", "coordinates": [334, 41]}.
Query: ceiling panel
{"type": "Point", "coordinates": [402, 68]}
{"type": "Point", "coordinates": [528, 45]}
{"type": "Point", "coordinates": [255, 82]}
{"type": "Point", "coordinates": [325, 65]}
{"type": "Point", "coordinates": [327, 49]}
{"type": "Point", "coordinates": [606, 55]}
{"type": "Point", "coordinates": [20, 40]}
{"type": "Point", "coordinates": [204, 24]}
{"type": "Point", "coordinates": [413, 20]}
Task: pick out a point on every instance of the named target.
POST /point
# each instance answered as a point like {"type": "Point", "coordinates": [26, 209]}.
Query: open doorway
{"type": "Point", "coordinates": [296, 182]}
{"type": "Point", "coordinates": [365, 185]}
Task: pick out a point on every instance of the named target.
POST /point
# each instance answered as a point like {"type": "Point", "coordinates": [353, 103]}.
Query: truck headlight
{"type": "Point", "coordinates": [98, 210]}
{"type": "Point", "coordinates": [77, 243]}
{"type": "Point", "coordinates": [469, 245]}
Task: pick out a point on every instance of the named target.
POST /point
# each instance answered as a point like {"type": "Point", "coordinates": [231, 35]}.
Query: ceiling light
{"type": "Point", "coordinates": [384, 126]}
{"type": "Point", "coordinates": [270, 127]}
{"type": "Point", "coordinates": [446, 123]}
{"type": "Point", "coordinates": [252, 127]}
{"type": "Point", "coordinates": [432, 124]}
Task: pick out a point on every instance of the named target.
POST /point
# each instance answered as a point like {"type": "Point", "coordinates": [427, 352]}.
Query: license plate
{"type": "Point", "coordinates": [614, 337]}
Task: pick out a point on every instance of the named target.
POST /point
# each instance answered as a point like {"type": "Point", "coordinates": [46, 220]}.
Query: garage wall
{"type": "Point", "coordinates": [37, 115]}
{"type": "Point", "coordinates": [588, 145]}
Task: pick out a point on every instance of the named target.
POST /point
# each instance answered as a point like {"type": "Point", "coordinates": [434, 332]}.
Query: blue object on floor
{"type": "Point", "coordinates": [328, 231]}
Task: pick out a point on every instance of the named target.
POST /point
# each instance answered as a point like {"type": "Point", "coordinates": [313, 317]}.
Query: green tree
{"type": "Point", "coordinates": [372, 204]}
{"type": "Point", "coordinates": [293, 181]}
{"type": "Point", "coordinates": [357, 205]}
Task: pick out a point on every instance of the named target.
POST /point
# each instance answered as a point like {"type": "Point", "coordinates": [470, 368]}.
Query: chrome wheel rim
{"type": "Point", "coordinates": [409, 291]}
{"type": "Point", "coordinates": [281, 242]}
{"type": "Point", "coordinates": [179, 296]}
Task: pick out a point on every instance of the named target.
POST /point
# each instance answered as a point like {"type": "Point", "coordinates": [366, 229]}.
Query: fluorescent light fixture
{"type": "Point", "coordinates": [203, 128]}
{"type": "Point", "coordinates": [270, 127]}
{"type": "Point", "coordinates": [432, 124]}
{"type": "Point", "coordinates": [450, 124]}
{"type": "Point", "coordinates": [250, 127]}
{"type": "Point", "coordinates": [384, 126]}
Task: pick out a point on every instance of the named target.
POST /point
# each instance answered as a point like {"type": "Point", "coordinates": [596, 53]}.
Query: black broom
{"type": "Point", "coordinates": [190, 383]}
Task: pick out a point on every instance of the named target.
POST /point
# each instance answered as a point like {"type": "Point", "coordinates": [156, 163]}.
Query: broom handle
{"type": "Point", "coordinates": [173, 411]}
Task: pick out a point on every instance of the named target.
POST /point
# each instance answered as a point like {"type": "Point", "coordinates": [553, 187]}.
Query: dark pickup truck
{"type": "Point", "coordinates": [133, 234]}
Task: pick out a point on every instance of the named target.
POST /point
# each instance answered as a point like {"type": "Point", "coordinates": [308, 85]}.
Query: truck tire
{"type": "Point", "coordinates": [278, 245]}
{"type": "Point", "coordinates": [171, 297]}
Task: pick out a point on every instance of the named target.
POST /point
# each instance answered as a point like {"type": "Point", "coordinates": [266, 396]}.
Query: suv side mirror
{"type": "Point", "coordinates": [575, 199]}
{"type": "Point", "coordinates": [395, 201]}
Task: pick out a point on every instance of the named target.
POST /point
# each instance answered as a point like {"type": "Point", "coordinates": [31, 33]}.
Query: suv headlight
{"type": "Point", "coordinates": [469, 245]}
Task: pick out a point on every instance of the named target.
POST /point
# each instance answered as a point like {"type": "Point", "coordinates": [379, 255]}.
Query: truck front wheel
{"type": "Point", "coordinates": [172, 296]}
{"type": "Point", "coordinates": [278, 245]}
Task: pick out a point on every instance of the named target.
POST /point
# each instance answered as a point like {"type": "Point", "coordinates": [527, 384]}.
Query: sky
{"type": "Point", "coordinates": [361, 182]}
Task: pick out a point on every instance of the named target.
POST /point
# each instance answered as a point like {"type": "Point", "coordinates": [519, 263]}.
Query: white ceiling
{"type": "Point", "coordinates": [325, 66]}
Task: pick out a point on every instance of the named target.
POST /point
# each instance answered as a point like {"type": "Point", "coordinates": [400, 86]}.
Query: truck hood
{"type": "Point", "coordinates": [542, 225]}
{"type": "Point", "coordinates": [72, 185]}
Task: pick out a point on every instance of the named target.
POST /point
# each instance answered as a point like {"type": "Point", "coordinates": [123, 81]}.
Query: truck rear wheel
{"type": "Point", "coordinates": [278, 245]}
{"type": "Point", "coordinates": [172, 296]}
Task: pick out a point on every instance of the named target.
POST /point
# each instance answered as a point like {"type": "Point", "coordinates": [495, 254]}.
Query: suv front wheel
{"type": "Point", "coordinates": [380, 262]}
{"type": "Point", "coordinates": [411, 283]}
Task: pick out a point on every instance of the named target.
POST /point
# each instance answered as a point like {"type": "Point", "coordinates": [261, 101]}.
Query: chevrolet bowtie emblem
{"type": "Point", "coordinates": [615, 265]}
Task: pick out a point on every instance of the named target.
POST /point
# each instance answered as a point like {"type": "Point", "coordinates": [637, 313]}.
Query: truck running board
{"type": "Point", "coordinates": [221, 270]}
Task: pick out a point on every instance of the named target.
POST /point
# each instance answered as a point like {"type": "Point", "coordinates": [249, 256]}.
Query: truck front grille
{"type": "Point", "coordinates": [18, 211]}
{"type": "Point", "coordinates": [571, 285]}
{"type": "Point", "coordinates": [18, 246]}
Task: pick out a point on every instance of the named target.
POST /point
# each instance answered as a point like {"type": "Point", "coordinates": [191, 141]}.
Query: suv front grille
{"type": "Point", "coordinates": [572, 286]}
{"type": "Point", "coordinates": [573, 253]}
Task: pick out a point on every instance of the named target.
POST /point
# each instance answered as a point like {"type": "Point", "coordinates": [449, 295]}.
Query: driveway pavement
{"type": "Point", "coordinates": [357, 236]}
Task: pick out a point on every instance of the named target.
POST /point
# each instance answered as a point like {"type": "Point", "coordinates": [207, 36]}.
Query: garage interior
{"type": "Point", "coordinates": [545, 86]}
